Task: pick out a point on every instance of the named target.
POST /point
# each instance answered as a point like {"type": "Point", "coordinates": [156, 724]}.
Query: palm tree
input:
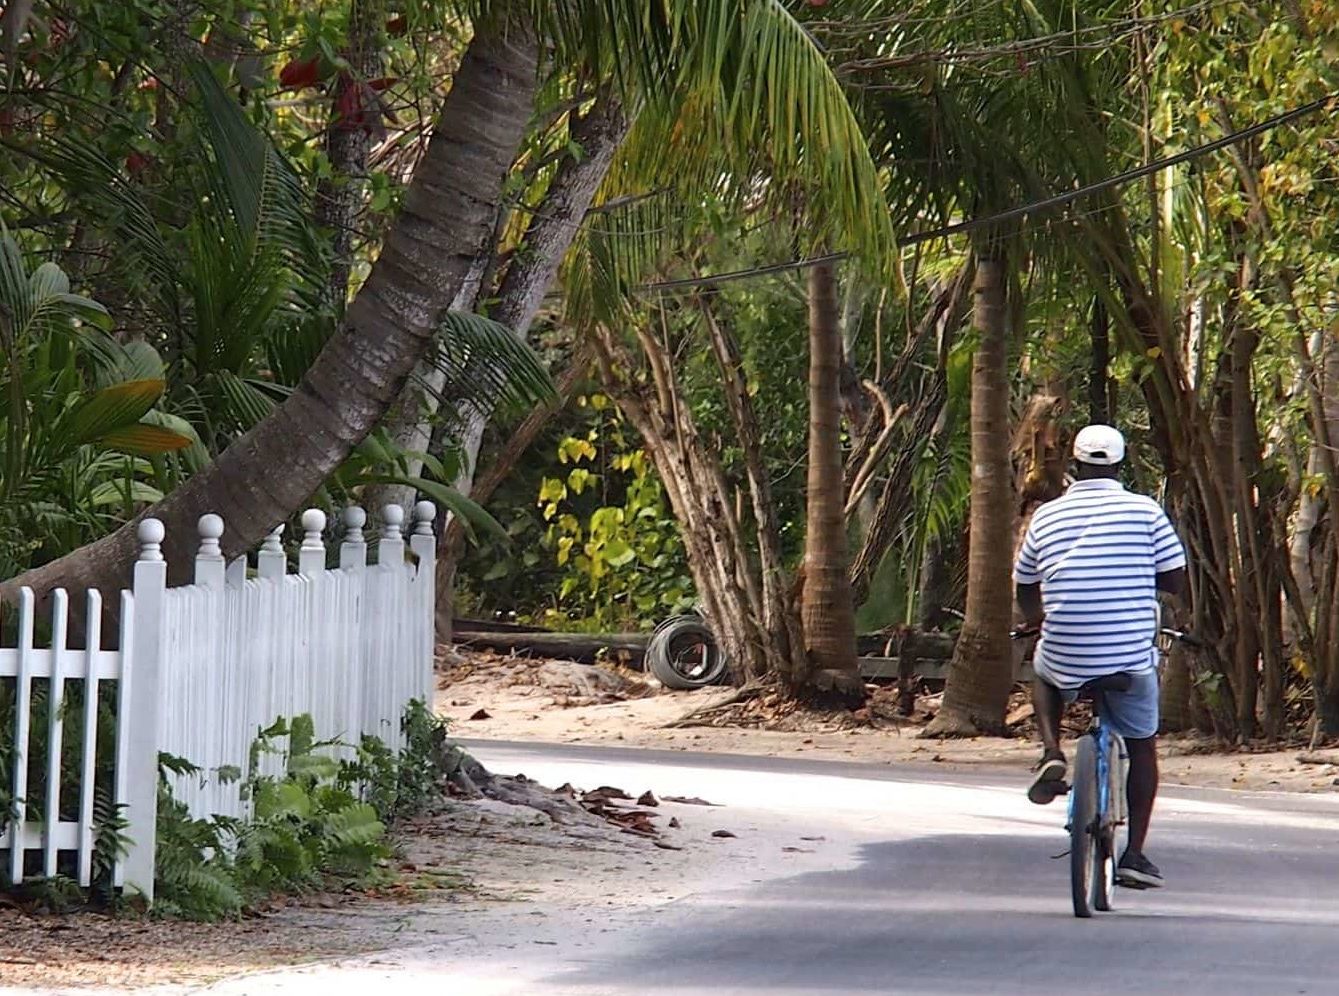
{"type": "Point", "coordinates": [826, 610]}
{"type": "Point", "coordinates": [981, 673]}
{"type": "Point", "coordinates": [751, 75]}
{"type": "Point", "coordinates": [268, 473]}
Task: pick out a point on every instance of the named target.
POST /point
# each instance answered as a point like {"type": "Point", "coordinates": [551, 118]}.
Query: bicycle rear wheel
{"type": "Point", "coordinates": [1085, 846]}
{"type": "Point", "coordinates": [1109, 832]}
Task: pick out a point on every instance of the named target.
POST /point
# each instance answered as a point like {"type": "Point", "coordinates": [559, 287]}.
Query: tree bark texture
{"type": "Point", "coordinates": [981, 673]}
{"type": "Point", "coordinates": [348, 142]}
{"type": "Point", "coordinates": [827, 613]}
{"type": "Point", "coordinates": [1099, 388]}
{"type": "Point", "coordinates": [719, 551]}
{"type": "Point", "coordinates": [266, 475]}
{"type": "Point", "coordinates": [779, 619]}
{"type": "Point", "coordinates": [528, 277]}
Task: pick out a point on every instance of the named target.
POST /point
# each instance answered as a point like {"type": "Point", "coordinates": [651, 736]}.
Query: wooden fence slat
{"type": "Point", "coordinates": [200, 669]}
{"type": "Point", "coordinates": [60, 618]}
{"type": "Point", "coordinates": [88, 766]}
{"type": "Point", "coordinates": [23, 695]}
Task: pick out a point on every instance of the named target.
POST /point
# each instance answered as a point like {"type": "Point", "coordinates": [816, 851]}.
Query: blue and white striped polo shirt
{"type": "Point", "coordinates": [1096, 551]}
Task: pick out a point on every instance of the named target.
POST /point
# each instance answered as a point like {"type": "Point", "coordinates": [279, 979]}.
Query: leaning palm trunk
{"type": "Point", "coordinates": [447, 217]}
{"type": "Point", "coordinates": [528, 278]}
{"type": "Point", "coordinates": [981, 673]}
{"type": "Point", "coordinates": [348, 143]}
{"type": "Point", "coordinates": [826, 609]}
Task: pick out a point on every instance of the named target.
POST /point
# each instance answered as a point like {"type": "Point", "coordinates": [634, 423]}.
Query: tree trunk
{"type": "Point", "coordinates": [1175, 692]}
{"type": "Point", "coordinates": [410, 420]}
{"type": "Point", "coordinates": [779, 619]}
{"type": "Point", "coordinates": [827, 612]}
{"type": "Point", "coordinates": [981, 673]}
{"type": "Point", "coordinates": [1099, 388]}
{"type": "Point", "coordinates": [728, 587]}
{"type": "Point", "coordinates": [266, 475]}
{"type": "Point", "coordinates": [1311, 499]}
{"type": "Point", "coordinates": [531, 273]}
{"type": "Point", "coordinates": [348, 141]}
{"type": "Point", "coordinates": [934, 583]}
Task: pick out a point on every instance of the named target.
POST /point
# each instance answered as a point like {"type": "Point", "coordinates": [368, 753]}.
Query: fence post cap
{"type": "Point", "coordinates": [313, 521]}
{"type": "Point", "coordinates": [151, 533]}
{"type": "Point", "coordinates": [273, 539]}
{"type": "Point", "coordinates": [211, 526]}
{"type": "Point", "coordinates": [355, 517]}
{"type": "Point", "coordinates": [424, 513]}
{"type": "Point", "coordinates": [393, 517]}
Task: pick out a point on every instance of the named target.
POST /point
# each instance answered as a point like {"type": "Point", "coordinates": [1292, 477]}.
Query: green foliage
{"type": "Point", "coordinates": [404, 784]}
{"type": "Point", "coordinates": [609, 519]}
{"type": "Point", "coordinates": [78, 428]}
{"type": "Point", "coordinates": [323, 821]}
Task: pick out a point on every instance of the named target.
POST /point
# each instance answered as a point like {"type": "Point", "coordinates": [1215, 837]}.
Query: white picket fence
{"type": "Point", "coordinates": [201, 669]}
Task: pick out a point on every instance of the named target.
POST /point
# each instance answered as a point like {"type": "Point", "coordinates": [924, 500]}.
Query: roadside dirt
{"type": "Point", "coordinates": [475, 864]}
{"type": "Point", "coordinates": [489, 696]}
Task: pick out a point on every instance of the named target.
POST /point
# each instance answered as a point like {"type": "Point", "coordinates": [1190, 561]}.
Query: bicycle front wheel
{"type": "Point", "coordinates": [1085, 846]}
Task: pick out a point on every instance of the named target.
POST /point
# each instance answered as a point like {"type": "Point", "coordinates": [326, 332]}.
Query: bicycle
{"type": "Point", "coordinates": [1097, 808]}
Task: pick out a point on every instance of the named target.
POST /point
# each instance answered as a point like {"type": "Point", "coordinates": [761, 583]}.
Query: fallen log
{"type": "Point", "coordinates": [471, 626]}
{"type": "Point", "coordinates": [583, 648]}
{"type": "Point", "coordinates": [913, 642]}
{"type": "Point", "coordinates": [923, 653]}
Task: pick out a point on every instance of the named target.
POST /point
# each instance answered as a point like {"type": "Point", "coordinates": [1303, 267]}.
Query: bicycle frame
{"type": "Point", "coordinates": [1110, 745]}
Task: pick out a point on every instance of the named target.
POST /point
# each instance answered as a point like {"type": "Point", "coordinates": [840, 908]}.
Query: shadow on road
{"type": "Point", "coordinates": [967, 914]}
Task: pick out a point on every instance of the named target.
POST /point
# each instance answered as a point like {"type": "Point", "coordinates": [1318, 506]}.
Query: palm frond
{"type": "Point", "coordinates": [755, 112]}
{"type": "Point", "coordinates": [261, 190]}
{"type": "Point", "coordinates": [485, 364]}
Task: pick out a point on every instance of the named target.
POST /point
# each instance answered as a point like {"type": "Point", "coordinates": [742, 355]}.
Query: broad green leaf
{"type": "Point", "coordinates": [108, 409]}
{"type": "Point", "coordinates": [145, 440]}
{"type": "Point", "coordinates": [471, 513]}
{"type": "Point", "coordinates": [113, 493]}
{"type": "Point", "coordinates": [617, 553]}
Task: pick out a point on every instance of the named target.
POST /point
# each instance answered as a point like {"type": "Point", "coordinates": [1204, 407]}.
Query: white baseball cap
{"type": "Point", "coordinates": [1100, 445]}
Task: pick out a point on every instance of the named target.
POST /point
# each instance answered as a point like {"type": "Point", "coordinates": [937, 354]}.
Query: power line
{"type": "Point", "coordinates": [1058, 200]}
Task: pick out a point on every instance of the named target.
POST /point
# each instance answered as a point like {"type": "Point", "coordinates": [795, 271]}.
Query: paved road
{"type": "Point", "coordinates": [932, 882]}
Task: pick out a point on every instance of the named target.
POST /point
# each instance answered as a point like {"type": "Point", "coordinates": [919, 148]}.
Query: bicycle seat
{"type": "Point", "coordinates": [1118, 682]}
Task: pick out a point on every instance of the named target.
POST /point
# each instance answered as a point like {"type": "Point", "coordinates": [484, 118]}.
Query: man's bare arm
{"type": "Point", "coordinates": [1029, 603]}
{"type": "Point", "coordinates": [1173, 582]}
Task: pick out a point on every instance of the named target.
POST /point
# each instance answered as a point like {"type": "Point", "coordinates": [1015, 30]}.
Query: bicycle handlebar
{"type": "Point", "coordinates": [1189, 639]}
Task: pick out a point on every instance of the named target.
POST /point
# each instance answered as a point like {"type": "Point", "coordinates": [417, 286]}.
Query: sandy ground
{"type": "Point", "coordinates": [499, 698]}
{"type": "Point", "coordinates": [481, 864]}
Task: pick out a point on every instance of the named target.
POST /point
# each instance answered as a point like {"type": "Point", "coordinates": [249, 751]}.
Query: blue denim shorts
{"type": "Point", "coordinates": [1132, 713]}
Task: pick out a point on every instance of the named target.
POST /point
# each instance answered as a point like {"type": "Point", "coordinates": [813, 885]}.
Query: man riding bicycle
{"type": "Point", "coordinates": [1088, 574]}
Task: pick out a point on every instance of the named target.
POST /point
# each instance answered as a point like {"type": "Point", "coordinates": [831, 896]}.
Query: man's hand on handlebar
{"type": "Point", "coordinates": [1189, 639]}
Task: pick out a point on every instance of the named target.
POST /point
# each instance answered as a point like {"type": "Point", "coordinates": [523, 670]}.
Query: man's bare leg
{"type": "Point", "coordinates": [1051, 770]}
{"type": "Point", "coordinates": [1141, 790]}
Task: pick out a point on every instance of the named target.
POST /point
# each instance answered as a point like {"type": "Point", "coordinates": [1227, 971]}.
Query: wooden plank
{"type": "Point", "coordinates": [930, 670]}
{"type": "Point", "coordinates": [88, 767]}
{"type": "Point", "coordinates": [60, 620]}
{"type": "Point", "coordinates": [24, 703]}
{"type": "Point", "coordinates": [582, 648]}
{"type": "Point", "coordinates": [40, 663]}
{"type": "Point", "coordinates": [34, 836]}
